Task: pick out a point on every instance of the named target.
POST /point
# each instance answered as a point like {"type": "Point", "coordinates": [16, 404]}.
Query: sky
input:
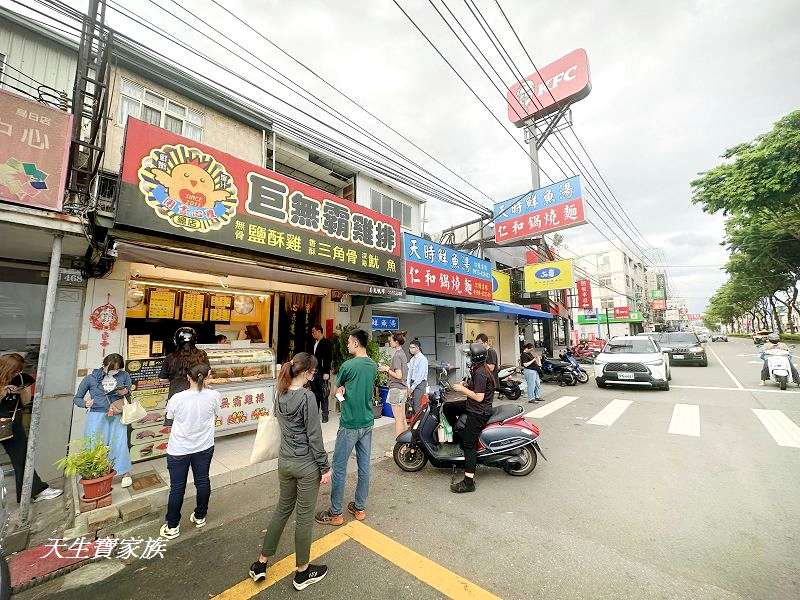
{"type": "Point", "coordinates": [673, 85]}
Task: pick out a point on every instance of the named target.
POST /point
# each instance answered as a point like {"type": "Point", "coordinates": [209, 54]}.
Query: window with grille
{"type": "Point", "coordinates": [604, 282]}
{"type": "Point", "coordinates": [391, 207]}
{"type": "Point", "coordinates": [151, 107]}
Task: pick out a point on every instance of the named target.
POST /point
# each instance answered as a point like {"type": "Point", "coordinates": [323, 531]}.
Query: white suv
{"type": "Point", "coordinates": [632, 360]}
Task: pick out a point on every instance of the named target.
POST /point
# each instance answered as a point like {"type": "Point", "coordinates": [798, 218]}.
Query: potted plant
{"type": "Point", "coordinates": [92, 464]}
{"type": "Point", "coordinates": [381, 379]}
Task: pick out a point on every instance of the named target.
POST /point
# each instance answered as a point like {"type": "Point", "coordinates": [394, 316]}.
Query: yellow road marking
{"type": "Point", "coordinates": [436, 576]}
{"type": "Point", "coordinates": [277, 571]}
{"type": "Point", "coordinates": [424, 569]}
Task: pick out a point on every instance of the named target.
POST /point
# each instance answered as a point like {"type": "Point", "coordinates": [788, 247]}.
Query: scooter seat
{"type": "Point", "coordinates": [503, 412]}
{"type": "Point", "coordinates": [558, 363]}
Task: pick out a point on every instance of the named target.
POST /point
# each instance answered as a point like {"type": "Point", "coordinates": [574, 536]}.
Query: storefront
{"type": "Point", "coordinates": [230, 249]}
{"type": "Point", "coordinates": [594, 324]}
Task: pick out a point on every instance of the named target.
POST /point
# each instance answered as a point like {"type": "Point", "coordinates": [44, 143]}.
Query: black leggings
{"type": "Point", "coordinates": [17, 448]}
{"type": "Point", "coordinates": [469, 439]}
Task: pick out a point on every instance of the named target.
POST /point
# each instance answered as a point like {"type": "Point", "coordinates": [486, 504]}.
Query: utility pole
{"type": "Point", "coordinates": [608, 324]}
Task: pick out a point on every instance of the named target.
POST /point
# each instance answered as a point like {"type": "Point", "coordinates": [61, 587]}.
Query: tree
{"type": "Point", "coordinates": [759, 179]}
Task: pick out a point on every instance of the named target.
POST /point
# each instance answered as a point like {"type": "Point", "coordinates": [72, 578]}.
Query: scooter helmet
{"type": "Point", "coordinates": [477, 353]}
{"type": "Point", "coordinates": [773, 338]}
{"type": "Point", "coordinates": [185, 336]}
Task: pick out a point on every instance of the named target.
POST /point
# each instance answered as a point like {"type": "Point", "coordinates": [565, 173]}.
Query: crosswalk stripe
{"type": "Point", "coordinates": [685, 420]}
{"type": "Point", "coordinates": [782, 429]}
{"type": "Point", "coordinates": [610, 413]}
{"type": "Point", "coordinates": [551, 407]}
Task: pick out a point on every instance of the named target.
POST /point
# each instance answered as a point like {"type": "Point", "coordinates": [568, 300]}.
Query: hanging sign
{"type": "Point", "coordinates": [192, 307]}
{"type": "Point", "coordinates": [385, 323]}
{"type": "Point", "coordinates": [584, 287]}
{"type": "Point", "coordinates": [659, 304]}
{"type": "Point", "coordinates": [34, 149]}
{"type": "Point", "coordinates": [162, 305]}
{"type": "Point", "coordinates": [432, 267]}
{"type": "Point", "coordinates": [551, 208]}
{"type": "Point", "coordinates": [177, 186]}
{"type": "Point", "coordinates": [553, 275]}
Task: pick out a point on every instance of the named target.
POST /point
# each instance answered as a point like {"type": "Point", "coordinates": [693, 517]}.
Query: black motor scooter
{"type": "Point", "coordinates": [508, 441]}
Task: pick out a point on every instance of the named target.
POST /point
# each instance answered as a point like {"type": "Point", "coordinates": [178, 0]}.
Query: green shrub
{"type": "Point", "coordinates": [90, 461]}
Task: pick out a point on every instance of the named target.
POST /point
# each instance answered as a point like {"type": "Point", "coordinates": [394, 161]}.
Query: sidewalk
{"type": "Point", "coordinates": [230, 465]}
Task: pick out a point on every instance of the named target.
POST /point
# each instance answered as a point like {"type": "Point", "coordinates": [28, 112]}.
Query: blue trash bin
{"type": "Point", "coordinates": [383, 391]}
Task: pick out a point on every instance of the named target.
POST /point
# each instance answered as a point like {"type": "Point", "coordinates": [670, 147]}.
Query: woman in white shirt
{"type": "Point", "coordinates": [191, 415]}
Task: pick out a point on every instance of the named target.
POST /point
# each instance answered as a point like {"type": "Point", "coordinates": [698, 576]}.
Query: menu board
{"type": "Point", "coordinates": [162, 305]}
{"type": "Point", "coordinates": [157, 348]}
{"type": "Point", "coordinates": [148, 437]}
{"type": "Point", "coordinates": [138, 346]}
{"type": "Point", "coordinates": [193, 305]}
{"type": "Point", "coordinates": [220, 308]}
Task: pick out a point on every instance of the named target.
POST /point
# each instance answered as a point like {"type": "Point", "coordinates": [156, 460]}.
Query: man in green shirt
{"type": "Point", "coordinates": [356, 384]}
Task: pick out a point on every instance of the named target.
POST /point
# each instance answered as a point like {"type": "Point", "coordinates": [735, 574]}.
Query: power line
{"type": "Point", "coordinates": [327, 108]}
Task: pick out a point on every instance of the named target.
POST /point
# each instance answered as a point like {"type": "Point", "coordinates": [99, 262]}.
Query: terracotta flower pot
{"type": "Point", "coordinates": [97, 488]}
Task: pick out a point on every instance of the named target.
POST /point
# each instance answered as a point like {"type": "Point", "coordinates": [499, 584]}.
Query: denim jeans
{"type": "Point", "coordinates": [346, 440]}
{"type": "Point", "coordinates": [178, 467]}
{"type": "Point", "coordinates": [534, 383]}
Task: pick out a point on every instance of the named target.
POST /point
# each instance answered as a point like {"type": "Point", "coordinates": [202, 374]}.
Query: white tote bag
{"type": "Point", "coordinates": [267, 444]}
{"type": "Point", "coordinates": [132, 411]}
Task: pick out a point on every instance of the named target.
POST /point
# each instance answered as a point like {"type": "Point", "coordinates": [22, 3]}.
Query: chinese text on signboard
{"type": "Point", "coordinates": [431, 267]}
{"type": "Point", "coordinates": [556, 206]}
{"type": "Point", "coordinates": [34, 147]}
{"type": "Point", "coordinates": [584, 287]}
{"type": "Point", "coordinates": [175, 185]}
{"type": "Point", "coordinates": [385, 323]}
{"type": "Point", "coordinates": [554, 275]}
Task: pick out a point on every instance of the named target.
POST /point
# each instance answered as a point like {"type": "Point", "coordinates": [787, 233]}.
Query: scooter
{"type": "Point", "coordinates": [580, 373]}
{"type": "Point", "coordinates": [507, 385]}
{"type": "Point", "coordinates": [557, 371]}
{"type": "Point", "coordinates": [508, 441]}
{"type": "Point", "coordinates": [780, 369]}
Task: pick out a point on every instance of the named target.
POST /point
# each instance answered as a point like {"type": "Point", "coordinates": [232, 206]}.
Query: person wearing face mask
{"type": "Point", "coordinates": [417, 374]}
{"type": "Point", "coordinates": [102, 393]}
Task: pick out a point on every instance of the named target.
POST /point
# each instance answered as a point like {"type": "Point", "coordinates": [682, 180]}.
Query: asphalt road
{"type": "Point", "coordinates": [641, 500]}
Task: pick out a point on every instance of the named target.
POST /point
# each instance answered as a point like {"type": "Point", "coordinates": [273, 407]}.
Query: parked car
{"type": "Point", "coordinates": [760, 337]}
{"type": "Point", "coordinates": [719, 337]}
{"type": "Point", "coordinates": [683, 347]}
{"type": "Point", "coordinates": [5, 576]}
{"type": "Point", "coordinates": [703, 337]}
{"type": "Point", "coordinates": [632, 360]}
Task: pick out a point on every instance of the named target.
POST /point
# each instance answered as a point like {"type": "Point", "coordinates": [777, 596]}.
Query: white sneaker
{"type": "Point", "coordinates": [198, 522]}
{"type": "Point", "coordinates": [127, 481]}
{"type": "Point", "coordinates": [48, 494]}
{"type": "Point", "coordinates": [169, 533]}
{"type": "Point", "coordinates": [763, 382]}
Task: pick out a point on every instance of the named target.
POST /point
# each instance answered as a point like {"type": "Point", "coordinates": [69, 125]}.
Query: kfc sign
{"type": "Point", "coordinates": [558, 84]}
{"type": "Point", "coordinates": [584, 287]}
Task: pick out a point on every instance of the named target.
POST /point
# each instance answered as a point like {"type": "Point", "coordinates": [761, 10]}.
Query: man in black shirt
{"type": "Point", "coordinates": [491, 353]}
{"type": "Point", "coordinates": [479, 408]}
{"type": "Point", "coordinates": [322, 349]}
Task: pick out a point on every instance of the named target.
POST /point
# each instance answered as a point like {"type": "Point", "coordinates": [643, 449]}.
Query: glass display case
{"type": "Point", "coordinates": [245, 378]}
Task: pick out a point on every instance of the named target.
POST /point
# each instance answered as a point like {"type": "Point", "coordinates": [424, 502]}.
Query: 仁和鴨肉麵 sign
{"type": "Point", "coordinates": [177, 186]}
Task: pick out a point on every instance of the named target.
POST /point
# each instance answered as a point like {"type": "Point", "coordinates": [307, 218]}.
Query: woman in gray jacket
{"type": "Point", "coordinates": [302, 467]}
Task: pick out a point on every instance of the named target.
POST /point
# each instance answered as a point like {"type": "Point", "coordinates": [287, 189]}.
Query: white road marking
{"type": "Point", "coordinates": [610, 413]}
{"type": "Point", "coordinates": [755, 362]}
{"type": "Point", "coordinates": [551, 407]}
{"type": "Point", "coordinates": [685, 420]}
{"type": "Point", "coordinates": [782, 429]}
{"type": "Point", "coordinates": [727, 370]}
{"type": "Point", "coordinates": [732, 389]}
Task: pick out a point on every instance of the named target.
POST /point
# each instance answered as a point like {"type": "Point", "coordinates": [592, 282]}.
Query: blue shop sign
{"type": "Point", "coordinates": [385, 323]}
